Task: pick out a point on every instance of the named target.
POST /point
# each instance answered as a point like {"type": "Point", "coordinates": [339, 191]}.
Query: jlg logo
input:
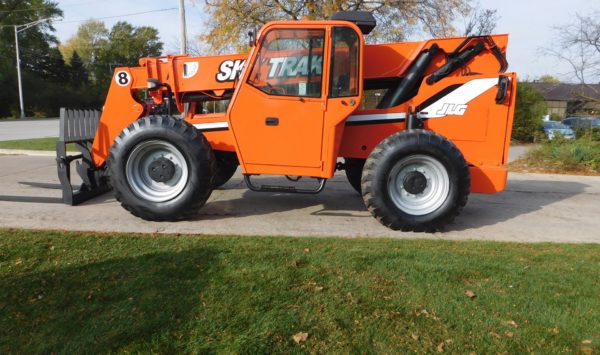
{"type": "Point", "coordinates": [452, 109]}
{"type": "Point", "coordinates": [229, 70]}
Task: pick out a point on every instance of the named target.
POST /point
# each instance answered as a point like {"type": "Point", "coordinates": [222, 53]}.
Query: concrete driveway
{"type": "Point", "coordinates": [535, 208]}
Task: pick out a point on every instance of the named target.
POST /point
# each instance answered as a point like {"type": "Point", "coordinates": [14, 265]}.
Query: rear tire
{"type": "Point", "coordinates": [161, 169]}
{"type": "Point", "coordinates": [354, 168]}
{"type": "Point", "coordinates": [415, 181]}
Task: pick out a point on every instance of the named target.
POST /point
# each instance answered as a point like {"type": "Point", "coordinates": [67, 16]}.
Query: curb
{"type": "Point", "coordinates": [33, 153]}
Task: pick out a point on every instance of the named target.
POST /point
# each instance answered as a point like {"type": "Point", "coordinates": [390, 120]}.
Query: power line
{"type": "Point", "coordinates": [115, 16]}
{"type": "Point", "coordinates": [106, 17]}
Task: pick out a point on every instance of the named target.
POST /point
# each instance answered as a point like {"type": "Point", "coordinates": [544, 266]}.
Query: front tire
{"type": "Point", "coordinates": [415, 181]}
{"type": "Point", "coordinates": [161, 169]}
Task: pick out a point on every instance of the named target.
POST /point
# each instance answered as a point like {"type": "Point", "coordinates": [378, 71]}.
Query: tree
{"type": "Point", "coordinates": [230, 20]}
{"type": "Point", "coordinates": [91, 36]}
{"type": "Point", "coordinates": [33, 43]}
{"type": "Point", "coordinates": [127, 44]}
{"type": "Point", "coordinates": [124, 46]}
{"type": "Point", "coordinates": [530, 109]}
{"type": "Point", "coordinates": [481, 22]}
{"type": "Point", "coordinates": [79, 75]}
{"type": "Point", "coordinates": [51, 66]}
{"type": "Point", "coordinates": [548, 79]}
{"type": "Point", "coordinates": [578, 44]}
{"type": "Point", "coordinates": [101, 50]}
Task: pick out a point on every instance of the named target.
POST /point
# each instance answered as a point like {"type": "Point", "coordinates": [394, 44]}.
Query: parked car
{"type": "Point", "coordinates": [582, 122]}
{"type": "Point", "coordinates": [553, 128]}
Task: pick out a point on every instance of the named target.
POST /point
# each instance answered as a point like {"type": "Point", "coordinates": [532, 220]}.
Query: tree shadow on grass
{"type": "Point", "coordinates": [128, 303]}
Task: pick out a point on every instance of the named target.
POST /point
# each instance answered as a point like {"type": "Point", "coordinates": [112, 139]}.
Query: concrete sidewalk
{"type": "Point", "coordinates": [535, 208]}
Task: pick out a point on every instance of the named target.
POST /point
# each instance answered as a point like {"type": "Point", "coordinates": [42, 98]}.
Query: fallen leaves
{"type": "Point", "coordinates": [509, 334]}
{"type": "Point", "coordinates": [512, 322]}
{"type": "Point", "coordinates": [555, 330]}
{"type": "Point", "coordinates": [470, 294]}
{"type": "Point", "coordinates": [313, 286]}
{"type": "Point", "coordinates": [586, 350]}
{"type": "Point", "coordinates": [426, 314]}
{"type": "Point", "coordinates": [440, 347]}
{"type": "Point", "coordinates": [300, 337]}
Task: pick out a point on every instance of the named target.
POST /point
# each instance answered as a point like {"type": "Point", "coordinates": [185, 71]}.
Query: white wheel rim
{"type": "Point", "coordinates": [139, 178]}
{"type": "Point", "coordinates": [433, 195]}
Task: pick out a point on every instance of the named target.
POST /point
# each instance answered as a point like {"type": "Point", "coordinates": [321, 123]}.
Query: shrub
{"type": "Point", "coordinates": [588, 134]}
{"type": "Point", "coordinates": [530, 109]}
{"type": "Point", "coordinates": [562, 155]}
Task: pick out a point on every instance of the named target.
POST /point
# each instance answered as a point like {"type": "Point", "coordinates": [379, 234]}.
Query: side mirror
{"type": "Point", "coordinates": [252, 38]}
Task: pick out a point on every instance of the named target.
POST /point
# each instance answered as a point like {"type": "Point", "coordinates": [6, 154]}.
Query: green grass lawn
{"type": "Point", "coordinates": [30, 144]}
{"type": "Point", "coordinates": [48, 144]}
{"type": "Point", "coordinates": [82, 292]}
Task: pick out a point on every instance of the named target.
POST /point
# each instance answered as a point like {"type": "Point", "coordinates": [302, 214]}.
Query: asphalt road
{"type": "Point", "coordinates": [27, 129]}
{"type": "Point", "coordinates": [535, 208]}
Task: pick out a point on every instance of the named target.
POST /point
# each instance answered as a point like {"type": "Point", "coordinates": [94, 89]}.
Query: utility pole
{"type": "Point", "coordinates": [18, 29]}
{"type": "Point", "coordinates": [182, 30]}
{"type": "Point", "coordinates": [19, 74]}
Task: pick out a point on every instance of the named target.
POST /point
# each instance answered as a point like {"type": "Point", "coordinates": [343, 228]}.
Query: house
{"type": "Point", "coordinates": [570, 99]}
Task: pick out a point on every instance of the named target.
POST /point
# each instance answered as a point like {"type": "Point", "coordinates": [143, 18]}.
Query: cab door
{"type": "Point", "coordinates": [277, 115]}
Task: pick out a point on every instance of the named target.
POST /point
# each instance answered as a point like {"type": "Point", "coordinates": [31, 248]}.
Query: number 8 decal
{"type": "Point", "coordinates": [122, 78]}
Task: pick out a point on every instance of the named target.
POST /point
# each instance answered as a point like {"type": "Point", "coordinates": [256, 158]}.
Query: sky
{"type": "Point", "coordinates": [528, 22]}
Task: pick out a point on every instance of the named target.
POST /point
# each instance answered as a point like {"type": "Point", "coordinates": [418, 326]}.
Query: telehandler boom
{"type": "Point", "coordinates": [416, 126]}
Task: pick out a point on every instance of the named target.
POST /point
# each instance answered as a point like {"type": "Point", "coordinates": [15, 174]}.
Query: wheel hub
{"type": "Point", "coordinates": [161, 170]}
{"type": "Point", "coordinates": [414, 182]}
{"type": "Point", "coordinates": [418, 184]}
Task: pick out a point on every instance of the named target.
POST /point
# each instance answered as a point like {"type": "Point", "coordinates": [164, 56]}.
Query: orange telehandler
{"type": "Point", "coordinates": [416, 126]}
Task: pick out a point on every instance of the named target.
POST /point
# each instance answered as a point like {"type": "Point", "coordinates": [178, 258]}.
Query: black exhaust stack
{"type": "Point", "coordinates": [363, 19]}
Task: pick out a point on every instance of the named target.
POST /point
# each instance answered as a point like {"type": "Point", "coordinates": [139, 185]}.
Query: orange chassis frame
{"type": "Point", "coordinates": [481, 129]}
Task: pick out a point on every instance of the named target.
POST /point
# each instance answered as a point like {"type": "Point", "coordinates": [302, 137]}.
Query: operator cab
{"type": "Point", "coordinates": [303, 79]}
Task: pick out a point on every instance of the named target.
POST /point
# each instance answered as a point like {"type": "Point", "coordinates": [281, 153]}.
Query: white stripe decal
{"type": "Point", "coordinates": [214, 125]}
{"type": "Point", "coordinates": [376, 117]}
{"type": "Point", "coordinates": [455, 103]}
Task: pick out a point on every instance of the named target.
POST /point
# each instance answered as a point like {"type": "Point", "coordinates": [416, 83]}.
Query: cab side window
{"type": "Point", "coordinates": [345, 68]}
{"type": "Point", "coordinates": [290, 63]}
